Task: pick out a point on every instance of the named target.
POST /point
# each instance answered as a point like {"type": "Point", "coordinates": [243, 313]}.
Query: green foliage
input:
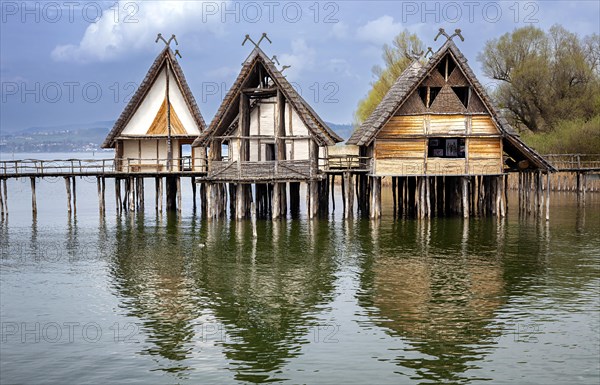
{"type": "Point", "coordinates": [545, 77]}
{"type": "Point", "coordinates": [397, 58]}
{"type": "Point", "coordinates": [569, 136]}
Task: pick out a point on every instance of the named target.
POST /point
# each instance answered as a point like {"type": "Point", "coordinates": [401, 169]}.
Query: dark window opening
{"type": "Point", "coordinates": [446, 66]}
{"type": "Point", "coordinates": [463, 94]}
{"type": "Point", "coordinates": [428, 94]}
{"type": "Point", "coordinates": [446, 148]}
{"type": "Point", "coordinates": [270, 152]}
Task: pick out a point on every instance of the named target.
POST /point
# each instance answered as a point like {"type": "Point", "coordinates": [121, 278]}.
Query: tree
{"type": "Point", "coordinates": [544, 77]}
{"type": "Point", "coordinates": [397, 58]}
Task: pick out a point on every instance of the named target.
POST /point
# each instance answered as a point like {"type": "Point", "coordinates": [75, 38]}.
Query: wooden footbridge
{"type": "Point", "coordinates": [129, 175]}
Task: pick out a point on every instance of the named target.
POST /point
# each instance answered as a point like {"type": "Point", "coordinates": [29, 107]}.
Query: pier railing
{"type": "Point", "coordinates": [335, 163]}
{"type": "Point", "coordinates": [73, 167]}
{"type": "Point", "coordinates": [574, 162]}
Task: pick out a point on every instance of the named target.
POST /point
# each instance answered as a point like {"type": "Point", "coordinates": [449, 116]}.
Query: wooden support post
{"type": "Point", "coordinates": [103, 195]}
{"type": "Point", "coordinates": [332, 188]}
{"type": "Point", "coordinates": [203, 198]}
{"type": "Point", "coordinates": [160, 195]}
{"type": "Point", "coordinates": [68, 186]}
{"type": "Point", "coordinates": [210, 203]}
{"type": "Point", "coordinates": [5, 190]}
{"type": "Point", "coordinates": [547, 196]}
{"type": "Point", "coordinates": [231, 188]}
{"type": "Point", "coordinates": [118, 202]}
{"type": "Point", "coordinates": [239, 205]}
{"type": "Point", "coordinates": [344, 200]}
{"type": "Point", "coordinates": [276, 209]}
{"type": "Point", "coordinates": [350, 194]}
{"type": "Point", "coordinates": [142, 196]}
{"type": "Point", "coordinates": [314, 198]}
{"type": "Point", "coordinates": [376, 198]}
{"type": "Point", "coordinates": [156, 194]}
{"type": "Point", "coordinates": [501, 180]}
{"type": "Point", "coordinates": [253, 219]}
{"type": "Point", "coordinates": [99, 187]}
{"type": "Point", "coordinates": [498, 195]}
{"type": "Point", "coordinates": [33, 197]}
{"type": "Point", "coordinates": [74, 197]}
{"type": "Point", "coordinates": [1, 202]}
{"type": "Point", "coordinates": [395, 209]}
{"type": "Point", "coordinates": [171, 187]}
{"type": "Point", "coordinates": [193, 180]}
{"type": "Point", "coordinates": [131, 193]}
{"type": "Point", "coordinates": [427, 197]}
{"type": "Point", "coordinates": [178, 185]}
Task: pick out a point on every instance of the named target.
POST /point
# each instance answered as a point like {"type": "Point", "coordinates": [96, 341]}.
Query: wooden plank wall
{"type": "Point", "coordinates": [401, 146]}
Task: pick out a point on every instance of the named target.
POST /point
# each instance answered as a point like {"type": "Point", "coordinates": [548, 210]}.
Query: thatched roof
{"type": "Point", "coordinates": [229, 109]}
{"type": "Point", "coordinates": [409, 81]}
{"type": "Point", "coordinates": [137, 99]}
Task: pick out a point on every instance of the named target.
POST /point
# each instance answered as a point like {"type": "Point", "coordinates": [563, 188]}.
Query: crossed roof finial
{"type": "Point", "coordinates": [167, 42]}
{"type": "Point", "coordinates": [264, 36]}
{"type": "Point", "coordinates": [457, 32]}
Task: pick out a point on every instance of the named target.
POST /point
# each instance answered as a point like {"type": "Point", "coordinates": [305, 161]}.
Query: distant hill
{"type": "Point", "coordinates": [343, 130]}
{"type": "Point", "coordinates": [65, 138]}
{"type": "Point", "coordinates": [82, 137]}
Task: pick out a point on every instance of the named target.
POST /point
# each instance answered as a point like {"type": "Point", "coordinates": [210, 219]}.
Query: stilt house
{"type": "Point", "coordinates": [160, 120]}
{"type": "Point", "coordinates": [440, 138]}
{"type": "Point", "coordinates": [265, 133]}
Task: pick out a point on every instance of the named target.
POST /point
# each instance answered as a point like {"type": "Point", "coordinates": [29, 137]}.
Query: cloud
{"type": "Point", "coordinates": [339, 30]}
{"type": "Point", "coordinates": [135, 29]}
{"type": "Point", "coordinates": [301, 58]}
{"type": "Point", "coordinates": [379, 31]}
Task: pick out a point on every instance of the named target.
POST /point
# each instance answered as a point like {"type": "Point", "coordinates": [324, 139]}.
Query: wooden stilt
{"type": "Point", "coordinates": [253, 219]}
{"type": "Point", "coordinates": [427, 197]}
{"type": "Point", "coordinates": [178, 183]}
{"type": "Point", "coordinates": [203, 198]}
{"type": "Point", "coordinates": [193, 180]}
{"type": "Point", "coordinates": [350, 194]}
{"type": "Point", "coordinates": [99, 187]}
{"type": "Point", "coordinates": [1, 202]}
{"type": "Point", "coordinates": [501, 180]}
{"type": "Point", "coordinates": [4, 192]}
{"type": "Point", "coordinates": [33, 197]}
{"type": "Point", "coordinates": [394, 197]}
{"type": "Point", "coordinates": [547, 196]}
{"type": "Point", "coordinates": [239, 205]}
{"type": "Point", "coordinates": [160, 195]}
{"type": "Point", "coordinates": [68, 186]}
{"type": "Point", "coordinates": [276, 209]}
{"type": "Point", "coordinates": [74, 197]}
{"type": "Point", "coordinates": [376, 198]}
{"type": "Point", "coordinates": [332, 184]}
{"type": "Point", "coordinates": [209, 200]}
{"type": "Point", "coordinates": [103, 195]}
{"type": "Point", "coordinates": [156, 193]}
{"type": "Point", "coordinates": [131, 193]}
{"type": "Point", "coordinates": [118, 202]}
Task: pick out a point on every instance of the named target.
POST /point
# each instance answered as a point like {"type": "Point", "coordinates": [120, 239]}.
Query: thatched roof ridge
{"type": "Point", "coordinates": [408, 82]}
{"type": "Point", "coordinates": [230, 105]}
{"type": "Point", "coordinates": [145, 86]}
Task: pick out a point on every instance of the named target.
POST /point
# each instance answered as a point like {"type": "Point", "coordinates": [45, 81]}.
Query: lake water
{"type": "Point", "coordinates": [143, 299]}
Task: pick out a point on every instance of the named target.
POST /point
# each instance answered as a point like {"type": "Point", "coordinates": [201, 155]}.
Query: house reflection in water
{"type": "Point", "coordinates": [252, 298]}
{"type": "Point", "coordinates": [436, 294]}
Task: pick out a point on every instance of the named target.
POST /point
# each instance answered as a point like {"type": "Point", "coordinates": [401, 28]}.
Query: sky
{"type": "Point", "coordinates": [76, 62]}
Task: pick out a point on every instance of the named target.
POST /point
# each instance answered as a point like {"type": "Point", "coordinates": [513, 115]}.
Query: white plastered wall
{"type": "Point", "coordinates": [146, 112]}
